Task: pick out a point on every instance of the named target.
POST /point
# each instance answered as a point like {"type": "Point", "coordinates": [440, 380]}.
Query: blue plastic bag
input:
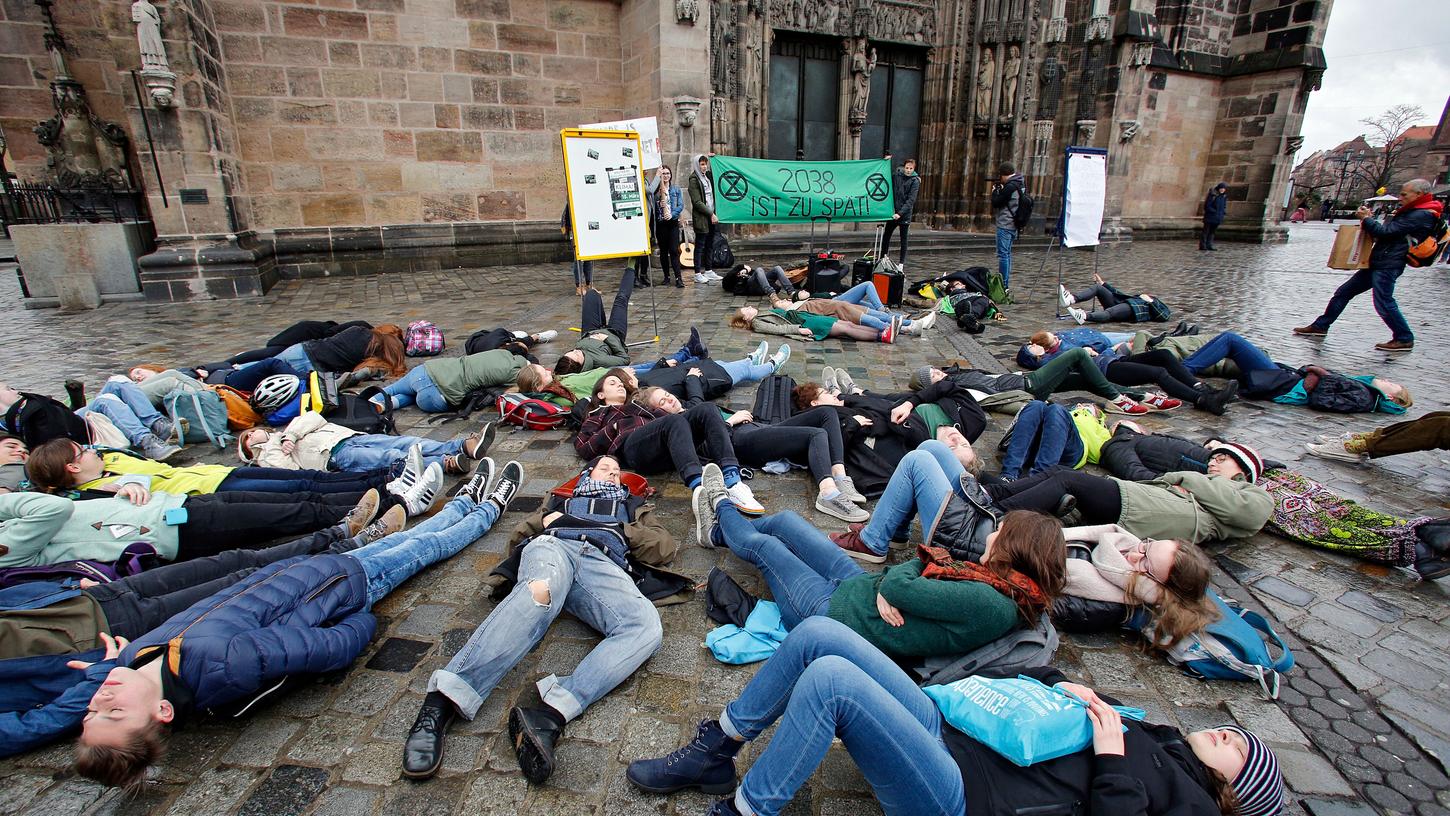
{"type": "Point", "coordinates": [1020, 718]}
{"type": "Point", "coordinates": [757, 640]}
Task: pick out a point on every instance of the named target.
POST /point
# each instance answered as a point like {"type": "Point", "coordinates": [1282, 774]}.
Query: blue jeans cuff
{"type": "Point", "coordinates": [559, 698]}
{"type": "Point", "coordinates": [456, 689]}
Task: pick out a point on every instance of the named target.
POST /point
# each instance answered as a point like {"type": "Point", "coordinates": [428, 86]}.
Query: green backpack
{"type": "Point", "coordinates": [204, 413]}
{"type": "Point", "coordinates": [997, 290]}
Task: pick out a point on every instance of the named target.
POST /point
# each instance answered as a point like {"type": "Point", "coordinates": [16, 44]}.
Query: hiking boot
{"type": "Point", "coordinates": [779, 358]}
{"type": "Point", "coordinates": [724, 807]}
{"type": "Point", "coordinates": [1396, 345]}
{"type": "Point", "coordinates": [757, 357]}
{"type": "Point", "coordinates": [359, 517]}
{"type": "Point", "coordinates": [744, 499]}
{"type": "Point", "coordinates": [1216, 402]}
{"type": "Point", "coordinates": [476, 488]}
{"type": "Point", "coordinates": [1161, 402]}
{"type": "Point", "coordinates": [706, 763]}
{"type": "Point", "coordinates": [421, 497]}
{"type": "Point", "coordinates": [1078, 314]}
{"type": "Point", "coordinates": [848, 385]}
{"type": "Point", "coordinates": [534, 733]}
{"type": "Point", "coordinates": [841, 507]}
{"type": "Point", "coordinates": [1430, 565]}
{"type": "Point", "coordinates": [152, 447]}
{"type": "Point", "coordinates": [164, 428]}
{"type": "Point", "coordinates": [423, 750]}
{"type": "Point", "coordinates": [412, 472]}
{"type": "Point", "coordinates": [694, 346]}
{"type": "Point", "coordinates": [847, 486]}
{"type": "Point", "coordinates": [1312, 331]}
{"type": "Point", "coordinates": [506, 486]}
{"type": "Point", "coordinates": [854, 546]}
{"type": "Point", "coordinates": [829, 382]}
{"type": "Point", "coordinates": [704, 501]}
{"type": "Point", "coordinates": [393, 520]}
{"type": "Point", "coordinates": [1334, 449]}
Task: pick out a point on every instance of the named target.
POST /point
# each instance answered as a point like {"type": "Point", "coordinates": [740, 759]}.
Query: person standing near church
{"type": "Point", "coordinates": [702, 210]}
{"type": "Point", "coordinates": [666, 204]}
{"type": "Point", "coordinates": [1006, 198]}
{"type": "Point", "coordinates": [1215, 206]}
{"type": "Point", "coordinates": [905, 187]}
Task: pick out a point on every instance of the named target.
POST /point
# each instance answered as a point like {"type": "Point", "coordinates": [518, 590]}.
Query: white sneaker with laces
{"type": "Point", "coordinates": [712, 277]}
{"type": "Point", "coordinates": [547, 335]}
{"type": "Point", "coordinates": [1065, 297]}
{"type": "Point", "coordinates": [1077, 314]}
{"type": "Point", "coordinates": [744, 500]}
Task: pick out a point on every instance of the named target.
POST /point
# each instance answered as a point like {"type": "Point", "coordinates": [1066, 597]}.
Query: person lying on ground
{"type": "Point", "coordinates": [38, 529]}
{"type": "Point", "coordinates": [578, 559]}
{"type": "Point", "coordinates": [444, 382]}
{"type": "Point", "coordinates": [667, 372]}
{"type": "Point", "coordinates": [1304, 510]}
{"type": "Point", "coordinates": [648, 440]}
{"type": "Point", "coordinates": [310, 442]}
{"type": "Point", "coordinates": [874, 445]}
{"type": "Point", "coordinates": [811, 439]}
{"type": "Point", "coordinates": [1117, 306]}
{"type": "Point", "coordinates": [1226, 502]}
{"type": "Point", "coordinates": [796, 323]}
{"type": "Point", "coordinates": [1157, 366]}
{"type": "Point", "coordinates": [1050, 436]}
{"type": "Point", "coordinates": [826, 681]}
{"type": "Point", "coordinates": [157, 381]}
{"type": "Point", "coordinates": [25, 415]}
{"type": "Point", "coordinates": [63, 465]}
{"type": "Point", "coordinates": [859, 304]}
{"type": "Point", "coordinates": [601, 342]}
{"type": "Point", "coordinates": [758, 281]}
{"type": "Point", "coordinates": [931, 605]}
{"type": "Point", "coordinates": [519, 343]}
{"type": "Point", "coordinates": [296, 618]}
{"type": "Point", "coordinates": [303, 331]}
{"type": "Point", "coordinates": [1429, 432]}
{"type": "Point", "coordinates": [1263, 379]}
{"type": "Point", "coordinates": [363, 353]}
{"type": "Point", "coordinates": [13, 456]}
{"type": "Point", "coordinates": [53, 617]}
{"type": "Point", "coordinates": [1071, 370]}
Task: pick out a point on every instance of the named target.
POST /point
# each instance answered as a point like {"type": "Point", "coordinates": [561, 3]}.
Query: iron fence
{"type": "Point", "coordinates": [29, 203]}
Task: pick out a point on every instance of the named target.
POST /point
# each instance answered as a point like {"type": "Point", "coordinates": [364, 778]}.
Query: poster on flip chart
{"type": "Point", "coordinates": [1085, 188]}
{"type": "Point", "coordinates": [649, 137]}
{"type": "Point", "coordinates": [605, 184]}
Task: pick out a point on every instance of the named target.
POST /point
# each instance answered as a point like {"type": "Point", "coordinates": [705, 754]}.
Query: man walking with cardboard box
{"type": "Point", "coordinates": [1411, 223]}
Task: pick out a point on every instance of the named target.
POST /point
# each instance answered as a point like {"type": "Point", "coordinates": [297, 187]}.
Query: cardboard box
{"type": "Point", "coordinates": [1351, 248]}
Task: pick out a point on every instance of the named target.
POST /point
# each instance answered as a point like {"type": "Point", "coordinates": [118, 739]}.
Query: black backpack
{"type": "Point", "coordinates": [1023, 213]}
{"type": "Point", "coordinates": [1343, 395]}
{"type": "Point", "coordinates": [773, 399]}
{"type": "Point", "coordinates": [37, 419]}
{"type": "Point", "coordinates": [355, 411]}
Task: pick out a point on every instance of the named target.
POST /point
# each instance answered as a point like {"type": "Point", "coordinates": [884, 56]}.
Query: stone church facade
{"type": "Point", "coordinates": [320, 137]}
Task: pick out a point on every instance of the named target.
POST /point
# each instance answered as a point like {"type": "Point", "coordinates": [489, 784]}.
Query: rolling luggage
{"type": "Point", "coordinates": [826, 273]}
{"type": "Point", "coordinates": [864, 266]}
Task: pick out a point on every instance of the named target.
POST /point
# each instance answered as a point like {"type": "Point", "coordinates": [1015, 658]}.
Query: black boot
{"type": "Point", "coordinates": [75, 391]}
{"type": "Point", "coordinates": [1067, 511]}
{"type": "Point", "coordinates": [1155, 340]}
{"type": "Point", "coordinates": [1216, 402]}
{"type": "Point", "coordinates": [1435, 535]}
{"type": "Point", "coordinates": [534, 733]}
{"type": "Point", "coordinates": [1429, 564]}
{"type": "Point", "coordinates": [423, 750]}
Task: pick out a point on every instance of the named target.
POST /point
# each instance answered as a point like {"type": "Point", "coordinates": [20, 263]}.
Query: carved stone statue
{"type": "Point", "coordinates": [863, 62]}
{"type": "Point", "coordinates": [1127, 129]}
{"type": "Point", "coordinates": [687, 11]}
{"type": "Point", "coordinates": [986, 74]}
{"type": "Point", "coordinates": [1011, 67]}
{"type": "Point", "coordinates": [160, 81]}
{"type": "Point", "coordinates": [1051, 76]}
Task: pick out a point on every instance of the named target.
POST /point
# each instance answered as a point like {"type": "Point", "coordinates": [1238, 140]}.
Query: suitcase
{"type": "Point", "coordinates": [826, 272]}
{"type": "Point", "coordinates": [862, 267]}
{"type": "Point", "coordinates": [890, 286]}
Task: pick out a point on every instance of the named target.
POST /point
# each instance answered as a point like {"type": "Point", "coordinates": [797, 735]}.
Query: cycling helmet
{"type": "Point", "coordinates": [274, 392]}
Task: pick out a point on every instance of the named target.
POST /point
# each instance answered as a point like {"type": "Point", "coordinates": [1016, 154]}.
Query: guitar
{"type": "Point", "coordinates": [687, 254]}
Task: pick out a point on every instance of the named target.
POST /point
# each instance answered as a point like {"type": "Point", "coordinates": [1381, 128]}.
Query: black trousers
{"type": "Point", "coordinates": [667, 233]}
{"type": "Point", "coordinates": [812, 438]}
{"type": "Point", "coordinates": [703, 240]}
{"type": "Point", "coordinates": [1206, 240]}
{"type": "Point", "coordinates": [671, 441]}
{"type": "Point", "coordinates": [134, 606]}
{"type": "Point", "coordinates": [592, 317]}
{"type": "Point", "coordinates": [1098, 498]}
{"type": "Point", "coordinates": [218, 522]}
{"type": "Point", "coordinates": [1158, 366]}
{"type": "Point", "coordinates": [905, 227]}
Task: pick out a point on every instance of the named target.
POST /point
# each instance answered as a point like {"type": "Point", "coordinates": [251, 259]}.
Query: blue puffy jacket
{"type": "Point", "coordinates": [306, 615]}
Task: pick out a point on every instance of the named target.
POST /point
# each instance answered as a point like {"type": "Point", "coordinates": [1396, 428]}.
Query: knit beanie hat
{"type": "Point", "coordinates": [920, 378]}
{"type": "Point", "coordinates": [1027, 360]}
{"type": "Point", "coordinates": [1247, 457]}
{"type": "Point", "coordinates": [1259, 786]}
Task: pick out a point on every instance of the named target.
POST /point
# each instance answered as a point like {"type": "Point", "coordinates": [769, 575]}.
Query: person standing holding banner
{"type": "Point", "coordinates": [666, 204]}
{"type": "Point", "coordinates": [702, 209]}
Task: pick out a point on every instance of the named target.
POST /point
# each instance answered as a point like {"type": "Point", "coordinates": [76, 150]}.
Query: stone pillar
{"type": "Point", "coordinates": [665, 77]}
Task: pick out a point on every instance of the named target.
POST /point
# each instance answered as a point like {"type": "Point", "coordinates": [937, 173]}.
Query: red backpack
{"type": "Point", "coordinates": [530, 412]}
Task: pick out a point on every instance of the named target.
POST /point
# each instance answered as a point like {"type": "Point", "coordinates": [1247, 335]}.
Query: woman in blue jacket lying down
{"type": "Point", "coordinates": [303, 616]}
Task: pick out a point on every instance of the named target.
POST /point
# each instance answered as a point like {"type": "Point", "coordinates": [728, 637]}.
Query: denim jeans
{"type": "Point", "coordinates": [416, 386]}
{"type": "Point", "coordinates": [1227, 345]}
{"type": "Point", "coordinates": [921, 482]}
{"type": "Point", "coordinates": [279, 480]}
{"type": "Point", "coordinates": [800, 565]}
{"type": "Point", "coordinates": [1005, 239]}
{"type": "Point", "coordinates": [377, 451]}
{"type": "Point", "coordinates": [393, 559]}
{"type": "Point", "coordinates": [126, 406]}
{"type": "Point", "coordinates": [744, 371]}
{"type": "Point", "coordinates": [824, 682]}
{"type": "Point", "coordinates": [1381, 282]}
{"type": "Point", "coordinates": [1048, 430]}
{"type": "Point", "coordinates": [248, 377]}
{"type": "Point", "coordinates": [295, 356]}
{"type": "Point", "coordinates": [862, 294]}
{"type": "Point", "coordinates": [582, 581]}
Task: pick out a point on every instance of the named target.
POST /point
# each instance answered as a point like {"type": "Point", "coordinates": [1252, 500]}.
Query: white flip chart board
{"type": "Point", "coordinates": [607, 205]}
{"type": "Point", "coordinates": [648, 129]}
{"type": "Point", "coordinates": [1085, 187]}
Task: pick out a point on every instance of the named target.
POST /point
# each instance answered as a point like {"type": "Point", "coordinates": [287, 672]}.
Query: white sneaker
{"type": "Point", "coordinates": [758, 356]}
{"type": "Point", "coordinates": [780, 356]}
{"type": "Point", "coordinates": [1334, 449]}
{"type": "Point", "coordinates": [412, 472]}
{"type": "Point", "coordinates": [926, 322]}
{"type": "Point", "coordinates": [744, 500]}
{"type": "Point", "coordinates": [1077, 314]}
{"type": "Point", "coordinates": [838, 507]}
{"type": "Point", "coordinates": [1065, 297]}
{"type": "Point", "coordinates": [518, 335]}
{"type": "Point", "coordinates": [546, 336]}
{"type": "Point", "coordinates": [710, 274]}
{"type": "Point", "coordinates": [700, 278]}
{"type": "Point", "coordinates": [421, 497]}
{"type": "Point", "coordinates": [829, 382]}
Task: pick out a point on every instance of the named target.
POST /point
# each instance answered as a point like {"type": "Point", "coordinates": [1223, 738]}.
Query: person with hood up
{"type": "Point", "coordinates": [702, 210]}
{"type": "Point", "coordinates": [1006, 197]}
{"type": "Point", "coordinates": [1412, 223]}
{"type": "Point", "coordinates": [1215, 206]}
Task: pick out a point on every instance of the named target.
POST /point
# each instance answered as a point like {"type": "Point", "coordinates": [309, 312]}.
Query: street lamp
{"type": "Point", "coordinates": [1355, 156]}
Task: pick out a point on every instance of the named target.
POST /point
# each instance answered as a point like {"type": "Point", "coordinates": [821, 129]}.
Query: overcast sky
{"type": "Point", "coordinates": [1381, 53]}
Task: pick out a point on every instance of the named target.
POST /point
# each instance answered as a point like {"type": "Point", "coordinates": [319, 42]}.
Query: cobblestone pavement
{"type": "Point", "coordinates": [1361, 725]}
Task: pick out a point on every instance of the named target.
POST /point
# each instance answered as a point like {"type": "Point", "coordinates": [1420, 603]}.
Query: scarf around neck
{"type": "Point", "coordinates": [595, 489]}
{"type": "Point", "coordinates": [1022, 590]}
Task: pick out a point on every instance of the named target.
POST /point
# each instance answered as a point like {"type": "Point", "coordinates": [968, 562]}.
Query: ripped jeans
{"type": "Point", "coordinates": [580, 580]}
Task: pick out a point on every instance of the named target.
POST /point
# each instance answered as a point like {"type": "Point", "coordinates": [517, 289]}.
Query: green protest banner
{"type": "Point", "coordinates": [763, 191]}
